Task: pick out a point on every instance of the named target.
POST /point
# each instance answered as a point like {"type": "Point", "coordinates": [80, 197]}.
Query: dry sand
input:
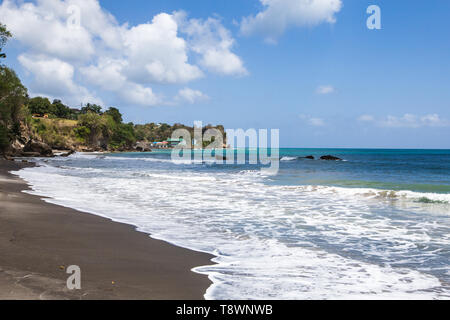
{"type": "Point", "coordinates": [39, 240]}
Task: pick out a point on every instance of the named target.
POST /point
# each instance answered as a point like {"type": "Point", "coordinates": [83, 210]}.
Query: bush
{"type": "Point", "coordinates": [82, 133]}
{"type": "Point", "coordinates": [123, 136]}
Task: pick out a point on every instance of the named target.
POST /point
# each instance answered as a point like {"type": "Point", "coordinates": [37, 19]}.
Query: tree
{"type": "Point", "coordinates": [123, 136]}
{"type": "Point", "coordinates": [60, 110]}
{"type": "Point", "coordinates": [91, 108]}
{"type": "Point", "coordinates": [96, 127]}
{"type": "Point", "coordinates": [40, 106]}
{"type": "Point", "coordinates": [13, 96]}
{"type": "Point", "coordinates": [4, 36]}
{"type": "Point", "coordinates": [115, 114]}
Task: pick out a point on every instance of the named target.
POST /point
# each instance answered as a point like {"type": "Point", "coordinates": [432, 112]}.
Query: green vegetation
{"type": "Point", "coordinates": [105, 130]}
{"type": "Point", "coordinates": [13, 95]}
{"type": "Point", "coordinates": [91, 108]}
{"type": "Point", "coordinates": [58, 133]}
{"type": "Point", "coordinates": [40, 106]}
{"type": "Point", "coordinates": [152, 132]}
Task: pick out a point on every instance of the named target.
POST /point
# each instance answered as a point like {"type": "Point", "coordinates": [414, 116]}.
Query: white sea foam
{"type": "Point", "coordinates": [288, 158]}
{"type": "Point", "coordinates": [270, 241]}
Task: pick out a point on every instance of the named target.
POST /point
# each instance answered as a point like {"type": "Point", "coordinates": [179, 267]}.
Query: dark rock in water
{"type": "Point", "coordinates": [330, 158]}
{"type": "Point", "coordinates": [310, 157]}
{"type": "Point", "coordinates": [40, 148]}
{"type": "Point", "coordinates": [65, 155]}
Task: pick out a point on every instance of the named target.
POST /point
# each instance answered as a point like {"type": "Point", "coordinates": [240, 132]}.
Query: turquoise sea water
{"type": "Point", "coordinates": [375, 225]}
{"type": "Point", "coordinates": [415, 170]}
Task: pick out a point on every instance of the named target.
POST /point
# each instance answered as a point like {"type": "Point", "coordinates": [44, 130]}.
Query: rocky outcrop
{"type": "Point", "coordinates": [143, 147]}
{"type": "Point", "coordinates": [37, 149]}
{"type": "Point", "coordinates": [15, 149]}
{"type": "Point", "coordinates": [309, 157]}
{"type": "Point", "coordinates": [330, 158]}
{"type": "Point", "coordinates": [67, 154]}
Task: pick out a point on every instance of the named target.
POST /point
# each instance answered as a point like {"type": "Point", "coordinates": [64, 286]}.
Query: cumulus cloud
{"type": "Point", "coordinates": [157, 54]}
{"type": "Point", "coordinates": [279, 15]}
{"type": "Point", "coordinates": [100, 53]}
{"type": "Point", "coordinates": [139, 95]}
{"type": "Point", "coordinates": [213, 42]}
{"type": "Point", "coordinates": [55, 78]}
{"type": "Point", "coordinates": [191, 96]}
{"type": "Point", "coordinates": [325, 90]}
{"type": "Point", "coordinates": [106, 74]}
{"type": "Point", "coordinates": [408, 120]}
{"type": "Point", "coordinates": [44, 31]}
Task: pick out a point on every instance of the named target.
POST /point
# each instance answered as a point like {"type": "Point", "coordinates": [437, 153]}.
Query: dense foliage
{"type": "Point", "coordinates": [153, 132]}
{"type": "Point", "coordinates": [13, 96]}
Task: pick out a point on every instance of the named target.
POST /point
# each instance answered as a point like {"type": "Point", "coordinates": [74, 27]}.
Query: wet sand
{"type": "Point", "coordinates": [38, 241]}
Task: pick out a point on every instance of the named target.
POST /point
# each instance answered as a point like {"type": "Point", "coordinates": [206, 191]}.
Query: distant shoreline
{"type": "Point", "coordinates": [39, 240]}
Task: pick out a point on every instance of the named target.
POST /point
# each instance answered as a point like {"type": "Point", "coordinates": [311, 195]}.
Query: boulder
{"type": "Point", "coordinates": [142, 146]}
{"type": "Point", "coordinates": [39, 148]}
{"type": "Point", "coordinates": [330, 158]}
{"type": "Point", "coordinates": [67, 154]}
{"type": "Point", "coordinates": [310, 157]}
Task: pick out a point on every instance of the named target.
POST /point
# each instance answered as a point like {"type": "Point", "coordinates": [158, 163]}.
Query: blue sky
{"type": "Point", "coordinates": [326, 81]}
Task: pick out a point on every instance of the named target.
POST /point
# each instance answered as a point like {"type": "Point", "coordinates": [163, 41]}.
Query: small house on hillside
{"type": "Point", "coordinates": [37, 116]}
{"type": "Point", "coordinates": [161, 145]}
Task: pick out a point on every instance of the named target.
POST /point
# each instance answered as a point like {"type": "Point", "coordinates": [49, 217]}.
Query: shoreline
{"type": "Point", "coordinates": [39, 240]}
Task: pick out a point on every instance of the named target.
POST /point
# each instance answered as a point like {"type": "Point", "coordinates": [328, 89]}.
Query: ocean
{"type": "Point", "coordinates": [373, 226]}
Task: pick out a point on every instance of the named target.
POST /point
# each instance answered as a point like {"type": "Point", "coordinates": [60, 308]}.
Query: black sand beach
{"type": "Point", "coordinates": [39, 240]}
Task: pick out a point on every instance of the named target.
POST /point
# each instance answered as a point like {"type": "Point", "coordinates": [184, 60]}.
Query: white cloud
{"type": "Point", "coordinates": [56, 79]}
{"type": "Point", "coordinates": [325, 90]}
{"type": "Point", "coordinates": [279, 15]}
{"type": "Point", "coordinates": [413, 121]}
{"type": "Point", "coordinates": [113, 57]}
{"type": "Point", "coordinates": [190, 95]}
{"type": "Point", "coordinates": [140, 95]}
{"type": "Point", "coordinates": [213, 42]}
{"type": "Point", "coordinates": [408, 120]}
{"type": "Point", "coordinates": [42, 28]}
{"type": "Point", "coordinates": [157, 54]}
{"type": "Point", "coordinates": [107, 74]}
{"type": "Point", "coordinates": [313, 121]}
